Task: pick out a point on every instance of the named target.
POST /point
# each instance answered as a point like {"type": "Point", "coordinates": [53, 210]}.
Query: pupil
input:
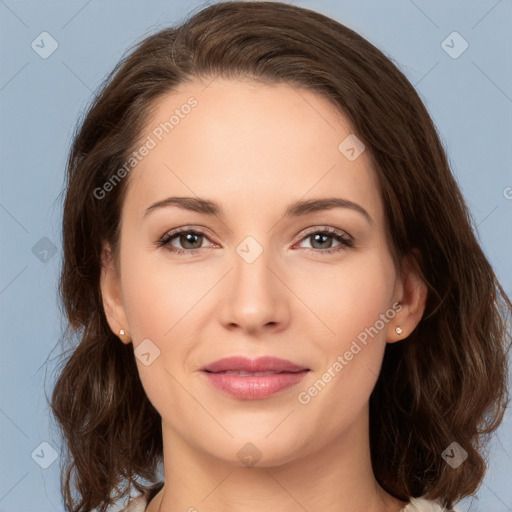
{"type": "Point", "coordinates": [319, 236]}
{"type": "Point", "coordinates": [189, 239]}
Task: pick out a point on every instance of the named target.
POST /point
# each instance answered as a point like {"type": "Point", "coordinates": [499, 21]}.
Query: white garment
{"type": "Point", "coordinates": [139, 504]}
{"type": "Point", "coordinates": [423, 505]}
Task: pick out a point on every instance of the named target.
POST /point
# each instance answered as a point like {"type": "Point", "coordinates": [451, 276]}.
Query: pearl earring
{"type": "Point", "coordinates": [121, 332]}
{"type": "Point", "coordinates": [399, 330]}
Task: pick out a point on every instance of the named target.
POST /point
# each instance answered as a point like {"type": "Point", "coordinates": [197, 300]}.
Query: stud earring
{"type": "Point", "coordinates": [122, 332]}
{"type": "Point", "coordinates": [399, 330]}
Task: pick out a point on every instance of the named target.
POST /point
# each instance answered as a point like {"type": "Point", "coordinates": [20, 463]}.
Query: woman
{"type": "Point", "coordinates": [274, 281]}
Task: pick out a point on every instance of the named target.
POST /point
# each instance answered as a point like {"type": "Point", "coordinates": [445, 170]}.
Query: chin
{"type": "Point", "coordinates": [260, 452]}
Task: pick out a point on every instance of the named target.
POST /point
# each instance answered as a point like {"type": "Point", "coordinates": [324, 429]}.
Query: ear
{"type": "Point", "coordinates": [113, 304]}
{"type": "Point", "coordinates": [411, 294]}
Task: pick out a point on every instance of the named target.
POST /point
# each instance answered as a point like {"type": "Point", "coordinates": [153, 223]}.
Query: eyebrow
{"type": "Point", "coordinates": [296, 209]}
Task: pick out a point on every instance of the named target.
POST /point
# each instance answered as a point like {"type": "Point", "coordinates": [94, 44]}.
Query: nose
{"type": "Point", "coordinates": [254, 296]}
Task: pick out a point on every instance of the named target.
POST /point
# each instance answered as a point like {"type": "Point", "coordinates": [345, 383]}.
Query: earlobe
{"type": "Point", "coordinates": [110, 285]}
{"type": "Point", "coordinates": [412, 296]}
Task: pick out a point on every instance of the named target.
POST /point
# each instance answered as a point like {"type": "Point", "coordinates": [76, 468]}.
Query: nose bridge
{"type": "Point", "coordinates": [254, 297]}
{"type": "Point", "coordinates": [252, 278]}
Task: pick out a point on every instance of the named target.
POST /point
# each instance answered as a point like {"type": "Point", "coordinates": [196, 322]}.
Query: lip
{"type": "Point", "coordinates": [260, 364]}
{"type": "Point", "coordinates": [280, 374]}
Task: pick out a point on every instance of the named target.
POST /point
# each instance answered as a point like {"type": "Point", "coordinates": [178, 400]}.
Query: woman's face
{"type": "Point", "coordinates": [260, 277]}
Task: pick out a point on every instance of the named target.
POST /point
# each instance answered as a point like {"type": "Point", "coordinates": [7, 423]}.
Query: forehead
{"type": "Point", "coordinates": [250, 146]}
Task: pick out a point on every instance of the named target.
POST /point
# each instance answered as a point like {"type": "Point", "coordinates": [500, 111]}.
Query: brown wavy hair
{"type": "Point", "coordinates": [446, 382]}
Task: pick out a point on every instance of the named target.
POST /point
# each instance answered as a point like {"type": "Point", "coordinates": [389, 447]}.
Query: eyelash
{"type": "Point", "coordinates": [345, 240]}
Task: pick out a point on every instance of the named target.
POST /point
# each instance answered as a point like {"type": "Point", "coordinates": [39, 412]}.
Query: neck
{"type": "Point", "coordinates": [338, 477]}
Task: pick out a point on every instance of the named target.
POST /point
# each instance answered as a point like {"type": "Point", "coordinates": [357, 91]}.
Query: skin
{"type": "Point", "coordinates": [255, 149]}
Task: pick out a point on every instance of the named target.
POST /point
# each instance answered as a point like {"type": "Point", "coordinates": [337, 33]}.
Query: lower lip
{"type": "Point", "coordinates": [254, 388]}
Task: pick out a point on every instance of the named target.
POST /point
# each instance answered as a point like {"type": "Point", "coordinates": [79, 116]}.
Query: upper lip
{"type": "Point", "coordinates": [261, 364]}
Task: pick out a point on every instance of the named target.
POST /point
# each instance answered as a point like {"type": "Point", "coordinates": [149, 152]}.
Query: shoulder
{"type": "Point", "coordinates": [424, 505]}
{"type": "Point", "coordinates": [139, 503]}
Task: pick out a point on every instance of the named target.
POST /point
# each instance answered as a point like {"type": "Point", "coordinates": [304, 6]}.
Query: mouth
{"type": "Point", "coordinates": [264, 364]}
{"type": "Point", "coordinates": [242, 373]}
{"type": "Point", "coordinates": [253, 379]}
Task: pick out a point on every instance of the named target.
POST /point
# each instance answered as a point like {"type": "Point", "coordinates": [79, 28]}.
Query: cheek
{"type": "Point", "coordinates": [158, 293]}
{"type": "Point", "coordinates": [350, 301]}
{"type": "Point", "coordinates": [356, 297]}
{"type": "Point", "coordinates": [351, 297]}
{"type": "Point", "coordinates": [157, 297]}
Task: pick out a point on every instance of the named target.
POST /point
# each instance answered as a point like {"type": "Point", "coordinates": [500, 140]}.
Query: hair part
{"type": "Point", "coordinates": [446, 382]}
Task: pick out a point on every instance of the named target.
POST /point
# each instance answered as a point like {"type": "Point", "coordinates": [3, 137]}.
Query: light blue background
{"type": "Point", "coordinates": [469, 98]}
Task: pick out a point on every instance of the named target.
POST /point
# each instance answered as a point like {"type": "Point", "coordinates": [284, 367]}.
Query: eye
{"type": "Point", "coordinates": [324, 239]}
{"type": "Point", "coordinates": [190, 239]}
